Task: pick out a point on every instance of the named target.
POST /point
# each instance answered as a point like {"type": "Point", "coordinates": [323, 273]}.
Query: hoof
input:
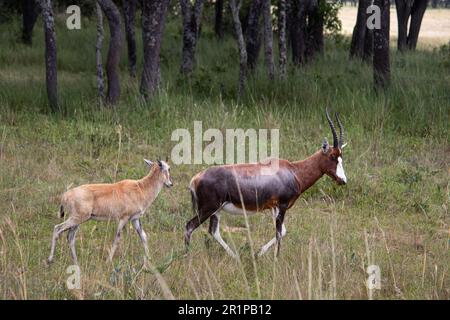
{"type": "Point", "coordinates": [260, 253]}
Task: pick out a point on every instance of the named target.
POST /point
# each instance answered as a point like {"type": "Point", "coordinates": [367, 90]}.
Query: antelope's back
{"type": "Point", "coordinates": [258, 190]}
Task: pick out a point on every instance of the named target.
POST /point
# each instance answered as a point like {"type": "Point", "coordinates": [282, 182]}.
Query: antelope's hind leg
{"type": "Point", "coordinates": [194, 223]}
{"type": "Point", "coordinates": [214, 230]}
{"type": "Point", "coordinates": [57, 230]}
{"type": "Point", "coordinates": [71, 239]}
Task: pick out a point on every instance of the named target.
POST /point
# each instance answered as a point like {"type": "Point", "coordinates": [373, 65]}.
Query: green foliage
{"type": "Point", "coordinates": [8, 8]}
{"type": "Point", "coordinates": [330, 10]}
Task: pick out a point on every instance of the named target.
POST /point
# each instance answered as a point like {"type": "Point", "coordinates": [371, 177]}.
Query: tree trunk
{"type": "Point", "coordinates": [253, 32]}
{"type": "Point", "coordinates": [218, 19]}
{"type": "Point", "coordinates": [115, 44]}
{"type": "Point", "coordinates": [298, 31]}
{"type": "Point", "coordinates": [368, 45]}
{"type": "Point", "coordinates": [241, 46]}
{"type": "Point", "coordinates": [191, 19]}
{"type": "Point", "coordinates": [412, 10]}
{"type": "Point", "coordinates": [417, 12]}
{"type": "Point", "coordinates": [315, 29]}
{"type": "Point", "coordinates": [359, 31]}
{"type": "Point", "coordinates": [153, 21]}
{"type": "Point", "coordinates": [288, 23]}
{"type": "Point", "coordinates": [368, 40]}
{"type": "Point", "coordinates": [29, 17]}
{"type": "Point", "coordinates": [50, 53]}
{"type": "Point", "coordinates": [98, 55]}
{"type": "Point", "coordinates": [403, 13]}
{"type": "Point", "coordinates": [129, 8]}
{"type": "Point", "coordinates": [268, 39]}
{"type": "Point", "coordinates": [282, 37]}
{"type": "Point", "coordinates": [381, 64]}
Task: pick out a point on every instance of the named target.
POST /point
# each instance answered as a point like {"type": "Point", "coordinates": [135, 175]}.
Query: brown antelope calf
{"type": "Point", "coordinates": [241, 189]}
{"type": "Point", "coordinates": [123, 201]}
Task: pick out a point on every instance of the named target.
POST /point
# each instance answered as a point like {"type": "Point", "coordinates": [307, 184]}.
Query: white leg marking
{"type": "Point", "coordinates": [218, 237]}
{"type": "Point", "coordinates": [137, 226]}
{"type": "Point", "coordinates": [340, 170]}
{"type": "Point", "coordinates": [274, 239]}
{"type": "Point", "coordinates": [59, 228]}
{"type": "Point", "coordinates": [71, 238]}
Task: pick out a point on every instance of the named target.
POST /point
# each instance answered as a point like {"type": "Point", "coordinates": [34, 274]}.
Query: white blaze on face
{"type": "Point", "coordinates": [340, 171]}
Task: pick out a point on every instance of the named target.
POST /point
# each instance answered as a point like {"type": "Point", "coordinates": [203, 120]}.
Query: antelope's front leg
{"type": "Point", "coordinates": [137, 226]}
{"type": "Point", "coordinates": [280, 232]}
{"type": "Point", "coordinates": [279, 227]}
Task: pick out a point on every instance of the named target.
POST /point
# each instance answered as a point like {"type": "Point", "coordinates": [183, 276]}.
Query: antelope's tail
{"type": "Point", "coordinates": [194, 201]}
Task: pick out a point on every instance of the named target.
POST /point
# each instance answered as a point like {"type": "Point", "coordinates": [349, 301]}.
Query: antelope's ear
{"type": "Point", "coordinates": [325, 146]}
{"type": "Point", "coordinates": [167, 159]}
{"type": "Point", "coordinates": [150, 163]}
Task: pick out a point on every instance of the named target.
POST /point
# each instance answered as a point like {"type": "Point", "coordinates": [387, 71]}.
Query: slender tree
{"type": "Point", "coordinates": [235, 8]}
{"type": "Point", "coordinates": [29, 17]}
{"type": "Point", "coordinates": [417, 13]}
{"type": "Point", "coordinates": [50, 53]}
{"type": "Point", "coordinates": [409, 10]}
{"type": "Point", "coordinates": [98, 54]}
{"type": "Point", "coordinates": [153, 21]}
{"type": "Point", "coordinates": [129, 8]}
{"type": "Point", "coordinates": [268, 39]}
{"type": "Point", "coordinates": [218, 28]}
{"type": "Point", "coordinates": [306, 29]}
{"type": "Point", "coordinates": [191, 13]}
{"type": "Point", "coordinates": [315, 26]}
{"type": "Point", "coordinates": [297, 30]}
{"type": "Point", "coordinates": [368, 42]}
{"type": "Point", "coordinates": [115, 44]}
{"type": "Point", "coordinates": [253, 34]}
{"type": "Point", "coordinates": [360, 30]}
{"type": "Point", "coordinates": [381, 63]}
{"type": "Point", "coordinates": [282, 37]}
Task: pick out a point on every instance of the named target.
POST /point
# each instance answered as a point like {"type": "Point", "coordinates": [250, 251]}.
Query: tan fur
{"type": "Point", "coordinates": [121, 200]}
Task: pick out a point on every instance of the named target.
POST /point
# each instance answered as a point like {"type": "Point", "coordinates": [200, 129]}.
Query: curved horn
{"type": "Point", "coordinates": [333, 129]}
{"type": "Point", "coordinates": [341, 130]}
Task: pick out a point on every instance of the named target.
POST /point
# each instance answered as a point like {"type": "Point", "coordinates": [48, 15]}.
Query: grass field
{"type": "Point", "coordinates": [392, 213]}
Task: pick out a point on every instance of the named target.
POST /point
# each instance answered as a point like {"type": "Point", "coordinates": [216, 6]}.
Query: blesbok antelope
{"type": "Point", "coordinates": [123, 201]}
{"type": "Point", "coordinates": [241, 189]}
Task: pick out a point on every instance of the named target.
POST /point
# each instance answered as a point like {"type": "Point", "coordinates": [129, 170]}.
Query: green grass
{"type": "Point", "coordinates": [397, 163]}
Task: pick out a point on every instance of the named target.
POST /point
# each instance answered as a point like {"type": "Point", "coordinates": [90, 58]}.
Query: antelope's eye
{"type": "Point", "coordinates": [334, 158]}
